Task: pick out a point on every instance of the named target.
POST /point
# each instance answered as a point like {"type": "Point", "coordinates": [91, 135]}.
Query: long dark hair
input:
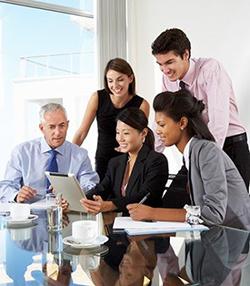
{"type": "Point", "coordinates": [137, 119]}
{"type": "Point", "coordinates": [121, 66]}
{"type": "Point", "coordinates": [183, 103]}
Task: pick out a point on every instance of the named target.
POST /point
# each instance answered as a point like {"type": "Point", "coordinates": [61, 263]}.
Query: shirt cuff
{"type": "Point", "coordinates": [193, 214]}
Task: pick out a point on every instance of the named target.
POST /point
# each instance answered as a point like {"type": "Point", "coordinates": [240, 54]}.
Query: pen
{"type": "Point", "coordinates": [143, 199]}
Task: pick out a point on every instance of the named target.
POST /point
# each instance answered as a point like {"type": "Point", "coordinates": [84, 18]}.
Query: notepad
{"type": "Point", "coordinates": [140, 227]}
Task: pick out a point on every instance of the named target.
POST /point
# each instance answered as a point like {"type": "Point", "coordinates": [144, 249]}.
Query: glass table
{"type": "Point", "coordinates": [30, 255]}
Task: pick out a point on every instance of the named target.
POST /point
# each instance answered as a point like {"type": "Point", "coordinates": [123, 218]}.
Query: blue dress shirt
{"type": "Point", "coordinates": [29, 161]}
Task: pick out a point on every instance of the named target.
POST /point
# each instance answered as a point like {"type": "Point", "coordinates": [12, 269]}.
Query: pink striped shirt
{"type": "Point", "coordinates": [208, 81]}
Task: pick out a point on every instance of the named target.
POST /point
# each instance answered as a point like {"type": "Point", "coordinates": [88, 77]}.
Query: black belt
{"type": "Point", "coordinates": [236, 138]}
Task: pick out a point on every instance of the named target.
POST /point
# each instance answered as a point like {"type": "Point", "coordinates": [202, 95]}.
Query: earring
{"type": "Point", "coordinates": [182, 128]}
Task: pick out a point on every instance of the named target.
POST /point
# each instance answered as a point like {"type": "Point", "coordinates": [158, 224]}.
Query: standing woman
{"type": "Point", "coordinates": [105, 104]}
{"type": "Point", "coordinates": [138, 172]}
{"type": "Point", "coordinates": [215, 184]}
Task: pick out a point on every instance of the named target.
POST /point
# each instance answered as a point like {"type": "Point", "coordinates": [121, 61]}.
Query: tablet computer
{"type": "Point", "coordinates": [69, 187]}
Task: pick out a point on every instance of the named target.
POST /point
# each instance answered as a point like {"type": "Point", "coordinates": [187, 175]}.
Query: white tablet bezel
{"type": "Point", "coordinates": [69, 187]}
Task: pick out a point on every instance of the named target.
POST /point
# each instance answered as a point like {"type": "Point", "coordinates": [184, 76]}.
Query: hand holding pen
{"type": "Point", "coordinates": [144, 199]}
{"type": "Point", "coordinates": [139, 211]}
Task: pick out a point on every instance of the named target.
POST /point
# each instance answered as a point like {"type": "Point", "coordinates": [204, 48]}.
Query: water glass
{"type": "Point", "coordinates": [54, 215]}
{"type": "Point", "coordinates": [50, 199]}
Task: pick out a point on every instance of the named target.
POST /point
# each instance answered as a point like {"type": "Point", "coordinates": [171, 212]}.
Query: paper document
{"type": "Point", "coordinates": [140, 227]}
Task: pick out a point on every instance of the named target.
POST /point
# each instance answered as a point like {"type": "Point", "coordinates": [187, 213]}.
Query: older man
{"type": "Point", "coordinates": [25, 180]}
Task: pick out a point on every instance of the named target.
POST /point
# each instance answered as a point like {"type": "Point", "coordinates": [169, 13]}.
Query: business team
{"type": "Point", "coordinates": [143, 170]}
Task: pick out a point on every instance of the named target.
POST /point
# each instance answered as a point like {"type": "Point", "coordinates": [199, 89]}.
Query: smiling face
{"type": "Point", "coordinates": [130, 139]}
{"type": "Point", "coordinates": [118, 83]}
{"type": "Point", "coordinates": [54, 128]}
{"type": "Point", "coordinates": [172, 65]}
{"type": "Point", "coordinates": [171, 132]}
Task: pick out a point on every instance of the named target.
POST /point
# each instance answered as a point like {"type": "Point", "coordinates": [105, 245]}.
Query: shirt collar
{"type": "Point", "coordinates": [186, 153]}
{"type": "Point", "coordinates": [189, 76]}
{"type": "Point", "coordinates": [46, 148]}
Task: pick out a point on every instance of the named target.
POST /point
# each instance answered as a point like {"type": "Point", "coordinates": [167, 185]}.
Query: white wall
{"type": "Point", "coordinates": [71, 91]}
{"type": "Point", "coordinates": [215, 28]}
{"type": "Point", "coordinates": [30, 94]}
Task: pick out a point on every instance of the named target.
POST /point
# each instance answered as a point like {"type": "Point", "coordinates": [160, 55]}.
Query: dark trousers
{"type": "Point", "coordinates": [238, 151]}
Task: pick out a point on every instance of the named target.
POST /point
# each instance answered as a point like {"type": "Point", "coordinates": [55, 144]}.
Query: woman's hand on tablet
{"type": "Point", "coordinates": [92, 206]}
{"type": "Point", "coordinates": [97, 205]}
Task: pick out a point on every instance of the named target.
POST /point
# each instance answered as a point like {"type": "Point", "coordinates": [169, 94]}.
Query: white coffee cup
{"type": "Point", "coordinates": [19, 211]}
{"type": "Point", "coordinates": [84, 231]}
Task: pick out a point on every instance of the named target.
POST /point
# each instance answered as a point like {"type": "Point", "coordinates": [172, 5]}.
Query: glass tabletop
{"type": "Point", "coordinates": [30, 255]}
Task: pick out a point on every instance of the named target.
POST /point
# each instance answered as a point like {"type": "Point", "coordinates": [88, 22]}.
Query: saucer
{"type": "Point", "coordinates": [69, 240]}
{"type": "Point", "coordinates": [100, 250]}
{"type": "Point", "coordinates": [19, 222]}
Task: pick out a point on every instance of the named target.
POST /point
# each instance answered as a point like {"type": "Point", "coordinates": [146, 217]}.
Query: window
{"type": "Point", "coordinates": [44, 56]}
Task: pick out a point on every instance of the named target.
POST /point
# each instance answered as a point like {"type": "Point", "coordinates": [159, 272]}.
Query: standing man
{"type": "Point", "coordinates": [208, 81]}
{"type": "Point", "coordinates": [25, 179]}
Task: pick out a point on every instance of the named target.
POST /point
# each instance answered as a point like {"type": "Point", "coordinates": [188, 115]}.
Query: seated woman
{"type": "Point", "coordinates": [215, 184]}
{"type": "Point", "coordinates": [133, 175]}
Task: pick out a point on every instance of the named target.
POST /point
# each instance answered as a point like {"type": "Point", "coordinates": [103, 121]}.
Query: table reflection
{"type": "Point", "coordinates": [127, 262]}
{"type": "Point", "coordinates": [217, 258]}
{"type": "Point", "coordinates": [33, 256]}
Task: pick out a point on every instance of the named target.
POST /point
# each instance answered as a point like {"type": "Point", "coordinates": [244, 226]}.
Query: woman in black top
{"type": "Point", "coordinates": [104, 105]}
{"type": "Point", "coordinates": [140, 171]}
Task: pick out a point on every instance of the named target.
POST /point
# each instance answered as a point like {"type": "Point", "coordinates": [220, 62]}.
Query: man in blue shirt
{"type": "Point", "coordinates": [25, 180]}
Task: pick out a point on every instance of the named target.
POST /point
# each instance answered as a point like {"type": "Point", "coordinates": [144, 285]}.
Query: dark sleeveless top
{"type": "Point", "coordinates": [106, 124]}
